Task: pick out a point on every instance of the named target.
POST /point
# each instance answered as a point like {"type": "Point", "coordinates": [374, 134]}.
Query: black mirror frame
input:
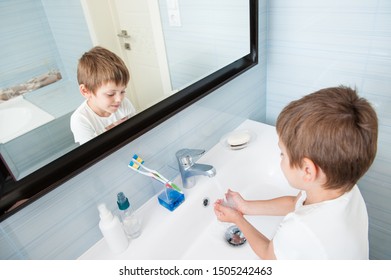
{"type": "Point", "coordinates": [62, 169]}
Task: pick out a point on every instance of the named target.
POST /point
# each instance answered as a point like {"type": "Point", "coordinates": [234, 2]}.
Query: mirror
{"type": "Point", "coordinates": [76, 160]}
{"type": "Point", "coordinates": [167, 46]}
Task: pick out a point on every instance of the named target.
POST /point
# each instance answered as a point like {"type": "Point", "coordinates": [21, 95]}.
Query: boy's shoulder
{"type": "Point", "coordinates": [82, 109]}
{"type": "Point", "coordinates": [334, 209]}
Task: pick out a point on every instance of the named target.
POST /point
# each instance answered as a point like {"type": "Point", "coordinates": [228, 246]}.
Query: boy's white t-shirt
{"type": "Point", "coordinates": [333, 229]}
{"type": "Point", "coordinates": [86, 124]}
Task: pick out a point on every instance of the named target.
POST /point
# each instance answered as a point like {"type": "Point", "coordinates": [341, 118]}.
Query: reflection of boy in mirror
{"type": "Point", "coordinates": [102, 78]}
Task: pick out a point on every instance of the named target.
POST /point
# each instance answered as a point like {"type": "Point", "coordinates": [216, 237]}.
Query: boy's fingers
{"type": "Point", "coordinates": [219, 208]}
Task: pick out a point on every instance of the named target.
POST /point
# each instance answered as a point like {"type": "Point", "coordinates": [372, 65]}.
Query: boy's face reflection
{"type": "Point", "coordinates": [107, 99]}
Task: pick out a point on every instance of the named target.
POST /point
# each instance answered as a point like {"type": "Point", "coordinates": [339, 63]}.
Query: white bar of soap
{"type": "Point", "coordinates": [238, 140]}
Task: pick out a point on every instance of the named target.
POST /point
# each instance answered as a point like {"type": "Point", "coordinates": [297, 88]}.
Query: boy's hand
{"type": "Point", "coordinates": [116, 123]}
{"type": "Point", "coordinates": [225, 213]}
{"type": "Point", "coordinates": [236, 201]}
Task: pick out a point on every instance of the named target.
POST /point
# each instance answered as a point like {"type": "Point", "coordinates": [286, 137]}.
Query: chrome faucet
{"type": "Point", "coordinates": [188, 168]}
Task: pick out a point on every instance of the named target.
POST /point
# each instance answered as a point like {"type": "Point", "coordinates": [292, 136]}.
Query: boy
{"type": "Point", "coordinates": [102, 78]}
{"type": "Point", "coordinates": [328, 140]}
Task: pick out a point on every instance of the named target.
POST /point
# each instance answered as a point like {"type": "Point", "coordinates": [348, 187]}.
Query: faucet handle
{"type": "Point", "coordinates": [187, 156]}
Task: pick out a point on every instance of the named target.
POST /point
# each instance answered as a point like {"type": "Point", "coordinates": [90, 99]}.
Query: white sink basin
{"type": "Point", "coordinates": [18, 116]}
{"type": "Point", "coordinates": [192, 230]}
{"type": "Point", "coordinates": [23, 114]}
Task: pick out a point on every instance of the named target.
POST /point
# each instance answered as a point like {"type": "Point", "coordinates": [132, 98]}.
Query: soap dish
{"type": "Point", "coordinates": [238, 139]}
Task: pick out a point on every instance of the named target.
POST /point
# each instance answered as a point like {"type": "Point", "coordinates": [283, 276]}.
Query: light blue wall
{"type": "Point", "coordinates": [202, 53]}
{"type": "Point", "coordinates": [70, 32]}
{"type": "Point", "coordinates": [64, 223]}
{"type": "Point", "coordinates": [317, 44]}
{"type": "Point", "coordinates": [38, 36]}
{"type": "Point", "coordinates": [24, 29]}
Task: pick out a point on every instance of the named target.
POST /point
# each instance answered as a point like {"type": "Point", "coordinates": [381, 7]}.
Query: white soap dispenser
{"type": "Point", "coordinates": [112, 230]}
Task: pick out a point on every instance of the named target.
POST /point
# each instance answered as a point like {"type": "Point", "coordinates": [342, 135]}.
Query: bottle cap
{"type": "Point", "coordinates": [104, 213]}
{"type": "Point", "coordinates": [122, 201]}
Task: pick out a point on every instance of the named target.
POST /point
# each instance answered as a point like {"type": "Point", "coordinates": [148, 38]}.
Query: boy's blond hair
{"type": "Point", "coordinates": [99, 66]}
{"type": "Point", "coordinates": [335, 129]}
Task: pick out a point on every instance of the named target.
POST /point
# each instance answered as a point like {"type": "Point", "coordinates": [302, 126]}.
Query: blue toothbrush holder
{"type": "Point", "coordinates": [170, 198]}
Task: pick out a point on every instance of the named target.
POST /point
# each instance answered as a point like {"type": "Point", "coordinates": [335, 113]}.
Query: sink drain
{"type": "Point", "coordinates": [234, 236]}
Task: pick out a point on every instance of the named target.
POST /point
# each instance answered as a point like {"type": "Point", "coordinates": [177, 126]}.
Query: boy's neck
{"type": "Point", "coordinates": [319, 194]}
{"type": "Point", "coordinates": [96, 110]}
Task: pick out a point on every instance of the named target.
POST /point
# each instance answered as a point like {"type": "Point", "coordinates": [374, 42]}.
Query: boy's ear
{"type": "Point", "coordinates": [309, 169]}
{"type": "Point", "coordinates": [84, 91]}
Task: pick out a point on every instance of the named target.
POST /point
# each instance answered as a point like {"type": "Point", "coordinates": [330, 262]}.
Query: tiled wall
{"type": "Point", "coordinates": [38, 36]}
{"type": "Point", "coordinates": [64, 223]}
{"type": "Point", "coordinates": [48, 142]}
{"type": "Point", "coordinates": [204, 52]}
{"type": "Point", "coordinates": [24, 29]}
{"type": "Point", "coordinates": [316, 44]}
{"type": "Point", "coordinates": [67, 23]}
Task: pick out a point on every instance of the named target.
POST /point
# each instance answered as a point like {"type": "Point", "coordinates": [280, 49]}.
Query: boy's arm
{"type": "Point", "coordinates": [260, 244]}
{"type": "Point", "coordinates": [116, 123]}
{"type": "Point", "coordinates": [279, 206]}
{"type": "Point", "coordinates": [82, 129]}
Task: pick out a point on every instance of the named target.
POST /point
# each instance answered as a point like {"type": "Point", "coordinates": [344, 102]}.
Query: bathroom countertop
{"type": "Point", "coordinates": [261, 177]}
